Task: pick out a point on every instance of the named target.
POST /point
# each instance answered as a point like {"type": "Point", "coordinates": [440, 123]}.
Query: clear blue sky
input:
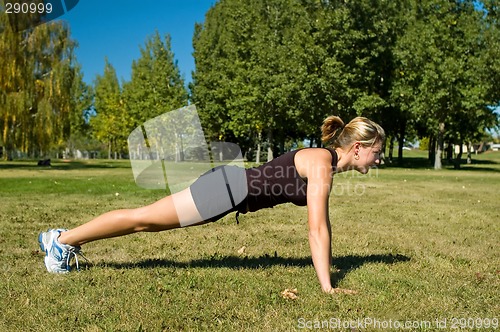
{"type": "Point", "coordinates": [117, 28]}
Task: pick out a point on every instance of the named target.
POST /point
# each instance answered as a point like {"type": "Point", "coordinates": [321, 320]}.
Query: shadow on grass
{"type": "Point", "coordinates": [424, 163]}
{"type": "Point", "coordinates": [349, 263]}
{"type": "Point", "coordinates": [344, 264]}
{"type": "Point", "coordinates": [408, 162]}
{"type": "Point", "coordinates": [60, 165]}
{"type": "Point", "coordinates": [475, 168]}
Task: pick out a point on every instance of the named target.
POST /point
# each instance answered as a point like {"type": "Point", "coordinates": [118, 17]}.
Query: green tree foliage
{"type": "Point", "coordinates": [80, 116]}
{"type": "Point", "coordinates": [249, 65]}
{"type": "Point", "coordinates": [279, 67]}
{"type": "Point", "coordinates": [276, 68]}
{"type": "Point", "coordinates": [443, 82]}
{"type": "Point", "coordinates": [156, 85]}
{"type": "Point", "coordinates": [267, 73]}
{"type": "Point", "coordinates": [227, 102]}
{"type": "Point", "coordinates": [40, 85]}
{"type": "Point", "coordinates": [111, 121]}
{"type": "Point", "coordinates": [349, 60]}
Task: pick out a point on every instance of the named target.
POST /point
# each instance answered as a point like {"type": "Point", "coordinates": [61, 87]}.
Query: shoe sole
{"type": "Point", "coordinates": [40, 242]}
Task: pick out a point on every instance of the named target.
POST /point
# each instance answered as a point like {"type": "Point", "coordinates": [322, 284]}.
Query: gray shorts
{"type": "Point", "coordinates": [220, 191]}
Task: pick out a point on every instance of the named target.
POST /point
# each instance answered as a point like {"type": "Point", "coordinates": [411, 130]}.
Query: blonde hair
{"type": "Point", "coordinates": [335, 134]}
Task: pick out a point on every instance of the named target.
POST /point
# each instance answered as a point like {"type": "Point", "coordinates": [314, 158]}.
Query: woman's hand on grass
{"type": "Point", "coordinates": [340, 291]}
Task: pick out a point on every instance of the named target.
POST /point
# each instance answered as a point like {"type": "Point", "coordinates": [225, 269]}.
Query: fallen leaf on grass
{"type": "Point", "coordinates": [241, 251]}
{"type": "Point", "coordinates": [290, 293]}
{"type": "Point", "coordinates": [342, 291]}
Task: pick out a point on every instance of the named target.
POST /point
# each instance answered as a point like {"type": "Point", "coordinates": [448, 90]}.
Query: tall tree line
{"type": "Point", "coordinates": [46, 108]}
{"type": "Point", "coordinates": [274, 69]}
{"type": "Point", "coordinates": [267, 73]}
{"type": "Point", "coordinates": [156, 87]}
{"type": "Point", "coordinates": [42, 95]}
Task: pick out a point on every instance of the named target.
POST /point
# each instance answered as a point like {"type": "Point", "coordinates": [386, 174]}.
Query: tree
{"type": "Point", "coordinates": [260, 65]}
{"type": "Point", "coordinates": [350, 61]}
{"type": "Point", "coordinates": [248, 70]}
{"type": "Point", "coordinates": [111, 121]}
{"type": "Point", "coordinates": [38, 71]}
{"type": "Point", "coordinates": [221, 88]}
{"type": "Point", "coordinates": [156, 86]}
{"type": "Point", "coordinates": [80, 115]}
{"type": "Point", "coordinates": [276, 68]}
{"type": "Point", "coordinates": [441, 79]}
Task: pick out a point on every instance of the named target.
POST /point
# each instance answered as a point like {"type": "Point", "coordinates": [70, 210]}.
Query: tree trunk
{"type": "Point", "coordinates": [109, 150]}
{"type": "Point", "coordinates": [449, 152]}
{"type": "Point", "coordinates": [259, 142]}
{"type": "Point", "coordinates": [382, 152]}
{"type": "Point", "coordinates": [459, 156]}
{"type": "Point", "coordinates": [480, 148]}
{"type": "Point", "coordinates": [439, 149]}
{"type": "Point", "coordinates": [282, 147]}
{"type": "Point", "coordinates": [469, 153]}
{"type": "Point", "coordinates": [270, 147]}
{"type": "Point", "coordinates": [391, 149]}
{"type": "Point", "coordinates": [181, 148]}
{"type": "Point", "coordinates": [432, 149]}
{"type": "Point", "coordinates": [401, 141]}
{"type": "Point", "coordinates": [7, 145]}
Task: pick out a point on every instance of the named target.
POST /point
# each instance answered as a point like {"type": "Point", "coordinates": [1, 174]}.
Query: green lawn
{"type": "Point", "coordinates": [419, 246]}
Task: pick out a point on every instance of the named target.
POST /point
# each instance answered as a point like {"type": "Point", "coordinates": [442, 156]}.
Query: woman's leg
{"type": "Point", "coordinates": [167, 213]}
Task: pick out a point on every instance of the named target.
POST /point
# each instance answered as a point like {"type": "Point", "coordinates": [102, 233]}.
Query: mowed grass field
{"type": "Point", "coordinates": [420, 247]}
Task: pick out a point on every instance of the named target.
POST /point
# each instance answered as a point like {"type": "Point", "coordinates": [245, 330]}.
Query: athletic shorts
{"type": "Point", "coordinates": [220, 191]}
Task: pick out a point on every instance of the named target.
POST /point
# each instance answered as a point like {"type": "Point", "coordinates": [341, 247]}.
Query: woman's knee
{"type": "Point", "coordinates": [153, 218]}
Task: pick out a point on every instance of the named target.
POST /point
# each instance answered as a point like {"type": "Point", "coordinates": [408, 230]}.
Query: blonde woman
{"type": "Point", "coordinates": [302, 177]}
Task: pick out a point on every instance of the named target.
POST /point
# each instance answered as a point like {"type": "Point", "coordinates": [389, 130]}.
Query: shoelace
{"type": "Point", "coordinates": [75, 252]}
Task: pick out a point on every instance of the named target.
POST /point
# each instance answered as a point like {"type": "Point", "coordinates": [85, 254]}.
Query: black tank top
{"type": "Point", "coordinates": [278, 182]}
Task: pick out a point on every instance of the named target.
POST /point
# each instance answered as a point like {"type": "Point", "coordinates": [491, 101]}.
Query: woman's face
{"type": "Point", "coordinates": [368, 157]}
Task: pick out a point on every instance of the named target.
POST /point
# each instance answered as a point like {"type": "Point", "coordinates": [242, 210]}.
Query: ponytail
{"type": "Point", "coordinates": [329, 129]}
{"type": "Point", "coordinates": [360, 129]}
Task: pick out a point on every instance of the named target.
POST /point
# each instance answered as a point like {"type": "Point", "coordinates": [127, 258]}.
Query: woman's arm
{"type": "Point", "coordinates": [320, 243]}
{"type": "Point", "coordinates": [317, 164]}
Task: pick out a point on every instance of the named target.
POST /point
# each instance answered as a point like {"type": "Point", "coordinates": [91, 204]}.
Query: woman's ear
{"type": "Point", "coordinates": [357, 145]}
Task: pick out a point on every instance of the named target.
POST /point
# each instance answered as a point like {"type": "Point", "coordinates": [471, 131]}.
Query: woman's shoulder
{"type": "Point", "coordinates": [317, 155]}
{"type": "Point", "coordinates": [313, 158]}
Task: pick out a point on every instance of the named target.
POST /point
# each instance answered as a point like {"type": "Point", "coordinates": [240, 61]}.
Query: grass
{"type": "Point", "coordinates": [416, 244]}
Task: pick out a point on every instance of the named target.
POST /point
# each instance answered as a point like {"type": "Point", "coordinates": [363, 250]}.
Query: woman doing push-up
{"type": "Point", "coordinates": [302, 177]}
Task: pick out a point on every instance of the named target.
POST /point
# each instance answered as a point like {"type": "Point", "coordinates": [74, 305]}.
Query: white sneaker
{"type": "Point", "coordinates": [57, 255]}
